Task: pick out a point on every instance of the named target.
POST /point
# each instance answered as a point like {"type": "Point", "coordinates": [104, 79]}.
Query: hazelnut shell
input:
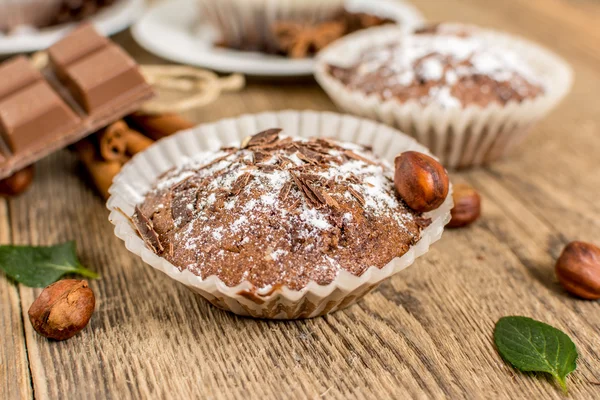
{"type": "Point", "coordinates": [17, 183]}
{"type": "Point", "coordinates": [420, 181]}
{"type": "Point", "coordinates": [63, 309]}
{"type": "Point", "coordinates": [578, 270]}
{"type": "Point", "coordinates": [467, 206]}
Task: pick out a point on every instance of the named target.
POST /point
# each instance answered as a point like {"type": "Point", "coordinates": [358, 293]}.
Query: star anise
{"type": "Point", "coordinates": [299, 40]}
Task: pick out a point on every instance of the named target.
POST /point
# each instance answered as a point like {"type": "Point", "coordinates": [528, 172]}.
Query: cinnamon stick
{"type": "Point", "coordinates": [136, 142]}
{"type": "Point", "coordinates": [112, 141]}
{"type": "Point", "coordinates": [160, 125]}
{"type": "Point", "coordinates": [101, 171]}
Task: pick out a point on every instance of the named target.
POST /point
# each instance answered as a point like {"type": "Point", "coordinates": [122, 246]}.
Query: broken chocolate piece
{"type": "Point", "coordinates": [31, 114]}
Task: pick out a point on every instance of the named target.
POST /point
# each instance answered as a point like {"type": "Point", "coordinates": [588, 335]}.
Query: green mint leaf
{"type": "Point", "coordinates": [40, 266]}
{"type": "Point", "coordinates": [533, 346]}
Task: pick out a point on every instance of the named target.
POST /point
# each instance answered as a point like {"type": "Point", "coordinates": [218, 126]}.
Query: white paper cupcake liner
{"type": "Point", "coordinates": [247, 24]}
{"type": "Point", "coordinates": [138, 176]}
{"type": "Point", "coordinates": [459, 137]}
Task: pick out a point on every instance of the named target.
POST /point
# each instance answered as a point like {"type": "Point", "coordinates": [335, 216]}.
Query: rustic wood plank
{"type": "Point", "coordinates": [15, 382]}
{"type": "Point", "coordinates": [426, 333]}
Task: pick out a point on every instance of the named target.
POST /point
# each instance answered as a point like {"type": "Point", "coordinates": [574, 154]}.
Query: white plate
{"type": "Point", "coordinates": [108, 21]}
{"type": "Point", "coordinates": [173, 30]}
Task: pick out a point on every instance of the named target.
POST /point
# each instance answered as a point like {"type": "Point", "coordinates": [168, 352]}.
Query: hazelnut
{"type": "Point", "coordinates": [421, 181]}
{"type": "Point", "coordinates": [578, 270]}
{"type": "Point", "coordinates": [467, 206]}
{"type": "Point", "coordinates": [17, 183]}
{"type": "Point", "coordinates": [63, 309]}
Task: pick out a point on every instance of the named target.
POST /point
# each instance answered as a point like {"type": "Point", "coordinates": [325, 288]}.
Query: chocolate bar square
{"type": "Point", "coordinates": [82, 41]}
{"type": "Point", "coordinates": [16, 74]}
{"type": "Point", "coordinates": [102, 77]}
{"type": "Point", "coordinates": [33, 115]}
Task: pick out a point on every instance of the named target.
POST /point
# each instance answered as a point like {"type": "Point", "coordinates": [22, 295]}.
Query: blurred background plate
{"type": "Point", "coordinates": [109, 21]}
{"type": "Point", "coordinates": [174, 30]}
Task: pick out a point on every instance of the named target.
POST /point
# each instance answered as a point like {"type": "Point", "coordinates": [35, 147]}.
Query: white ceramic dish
{"type": "Point", "coordinates": [109, 21]}
{"type": "Point", "coordinates": [173, 30]}
{"type": "Point", "coordinates": [138, 176]}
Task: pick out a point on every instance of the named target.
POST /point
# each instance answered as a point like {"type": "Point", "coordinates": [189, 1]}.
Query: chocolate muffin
{"type": "Point", "coordinates": [249, 24]}
{"type": "Point", "coordinates": [447, 64]}
{"type": "Point", "coordinates": [45, 13]}
{"type": "Point", "coordinates": [14, 13]}
{"type": "Point", "coordinates": [467, 93]}
{"type": "Point", "coordinates": [279, 211]}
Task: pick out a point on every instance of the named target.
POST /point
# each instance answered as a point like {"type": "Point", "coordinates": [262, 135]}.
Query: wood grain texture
{"type": "Point", "coordinates": [426, 333]}
{"type": "Point", "coordinates": [15, 382]}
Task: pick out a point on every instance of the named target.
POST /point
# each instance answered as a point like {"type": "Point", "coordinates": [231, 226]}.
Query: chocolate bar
{"type": "Point", "coordinates": [89, 83]}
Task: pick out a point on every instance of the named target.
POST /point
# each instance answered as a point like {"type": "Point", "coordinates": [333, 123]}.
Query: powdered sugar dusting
{"type": "Point", "coordinates": [302, 201]}
{"type": "Point", "coordinates": [439, 59]}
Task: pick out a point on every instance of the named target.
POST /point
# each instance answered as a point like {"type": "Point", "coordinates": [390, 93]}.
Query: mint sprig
{"type": "Point", "coordinates": [40, 266]}
{"type": "Point", "coordinates": [534, 346]}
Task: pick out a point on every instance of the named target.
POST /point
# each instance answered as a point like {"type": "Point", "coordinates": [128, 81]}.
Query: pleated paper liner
{"type": "Point", "coordinates": [138, 176]}
{"type": "Point", "coordinates": [459, 137]}
{"type": "Point", "coordinates": [249, 23]}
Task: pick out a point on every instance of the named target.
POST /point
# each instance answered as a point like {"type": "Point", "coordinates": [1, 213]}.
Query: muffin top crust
{"type": "Point", "coordinates": [451, 65]}
{"type": "Point", "coordinates": [279, 211]}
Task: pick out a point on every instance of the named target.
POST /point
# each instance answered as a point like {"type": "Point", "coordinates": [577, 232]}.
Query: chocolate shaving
{"type": "Point", "coordinates": [294, 205]}
{"type": "Point", "coordinates": [354, 156]}
{"type": "Point", "coordinates": [232, 248]}
{"type": "Point", "coordinates": [304, 187]}
{"type": "Point", "coordinates": [357, 196]}
{"type": "Point", "coordinates": [180, 200]}
{"type": "Point", "coordinates": [285, 191]}
{"type": "Point", "coordinates": [146, 231]}
{"type": "Point", "coordinates": [263, 138]}
{"type": "Point", "coordinates": [241, 183]}
{"type": "Point", "coordinates": [304, 158]}
{"type": "Point", "coordinates": [330, 201]}
{"type": "Point", "coordinates": [277, 145]}
{"type": "Point", "coordinates": [261, 156]}
{"type": "Point", "coordinates": [215, 161]}
{"type": "Point", "coordinates": [267, 167]}
{"type": "Point", "coordinates": [327, 143]}
{"type": "Point", "coordinates": [182, 184]}
{"type": "Point", "coordinates": [284, 161]}
{"type": "Point", "coordinates": [353, 179]}
{"type": "Point", "coordinates": [309, 155]}
{"type": "Point", "coordinates": [315, 192]}
{"type": "Point", "coordinates": [423, 222]}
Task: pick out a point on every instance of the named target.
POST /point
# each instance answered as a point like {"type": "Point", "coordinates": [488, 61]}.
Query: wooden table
{"type": "Point", "coordinates": [426, 333]}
